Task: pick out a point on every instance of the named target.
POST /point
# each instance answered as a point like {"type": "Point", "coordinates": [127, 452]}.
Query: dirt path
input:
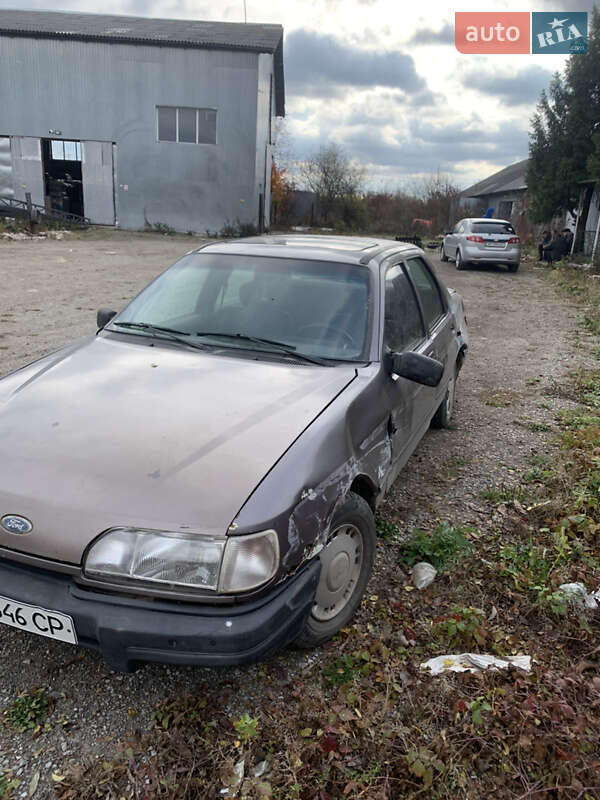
{"type": "Point", "coordinates": [522, 341]}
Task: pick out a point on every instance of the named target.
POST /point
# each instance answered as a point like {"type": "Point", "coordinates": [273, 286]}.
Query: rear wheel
{"type": "Point", "coordinates": [460, 264]}
{"type": "Point", "coordinates": [443, 256]}
{"type": "Point", "coordinates": [513, 267]}
{"type": "Point", "coordinates": [346, 564]}
{"type": "Point", "coordinates": [443, 415]}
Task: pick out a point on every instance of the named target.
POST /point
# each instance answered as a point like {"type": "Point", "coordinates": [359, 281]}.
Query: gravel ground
{"type": "Point", "coordinates": [522, 344]}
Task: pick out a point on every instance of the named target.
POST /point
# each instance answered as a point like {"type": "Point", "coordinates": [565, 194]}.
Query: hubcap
{"type": "Point", "coordinates": [341, 563]}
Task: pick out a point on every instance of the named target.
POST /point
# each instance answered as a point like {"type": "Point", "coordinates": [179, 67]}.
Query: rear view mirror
{"type": "Point", "coordinates": [104, 316]}
{"type": "Point", "coordinates": [418, 368]}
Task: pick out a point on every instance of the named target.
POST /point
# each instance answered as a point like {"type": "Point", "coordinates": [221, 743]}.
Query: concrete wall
{"type": "Point", "coordinates": [109, 92]}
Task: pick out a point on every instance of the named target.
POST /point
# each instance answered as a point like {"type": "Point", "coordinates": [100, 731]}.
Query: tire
{"type": "Point", "coordinates": [443, 256]}
{"type": "Point", "coordinates": [460, 264]}
{"type": "Point", "coordinates": [443, 416]}
{"type": "Point", "coordinates": [513, 267]}
{"type": "Point", "coordinates": [352, 536]}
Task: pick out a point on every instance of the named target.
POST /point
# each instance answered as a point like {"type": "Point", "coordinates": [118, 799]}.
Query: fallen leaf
{"type": "Point", "coordinates": [34, 783]}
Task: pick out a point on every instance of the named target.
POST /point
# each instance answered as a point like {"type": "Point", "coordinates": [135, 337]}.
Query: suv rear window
{"type": "Point", "coordinates": [493, 227]}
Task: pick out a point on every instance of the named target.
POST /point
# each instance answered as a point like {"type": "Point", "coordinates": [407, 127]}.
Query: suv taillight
{"type": "Point", "coordinates": [474, 238]}
{"type": "Point", "coordinates": [514, 240]}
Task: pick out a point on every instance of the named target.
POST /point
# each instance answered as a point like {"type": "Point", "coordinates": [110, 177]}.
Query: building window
{"type": "Point", "coordinates": [65, 151]}
{"type": "Point", "coordinates": [505, 209]}
{"type": "Point", "coordinates": [192, 125]}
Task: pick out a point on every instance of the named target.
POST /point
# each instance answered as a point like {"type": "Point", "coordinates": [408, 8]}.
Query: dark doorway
{"type": "Point", "coordinates": [63, 186]}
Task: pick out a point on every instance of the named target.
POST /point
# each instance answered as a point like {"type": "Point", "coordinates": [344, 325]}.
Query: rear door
{"type": "Point", "coordinates": [451, 241]}
{"type": "Point", "coordinates": [440, 341]}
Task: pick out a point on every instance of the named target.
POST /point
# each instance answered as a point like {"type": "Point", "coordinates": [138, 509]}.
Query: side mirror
{"type": "Point", "coordinates": [418, 368]}
{"type": "Point", "coordinates": [104, 316]}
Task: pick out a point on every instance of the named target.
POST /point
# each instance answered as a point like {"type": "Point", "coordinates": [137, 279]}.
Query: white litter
{"type": "Point", "coordinates": [474, 662]}
{"type": "Point", "coordinates": [236, 781]}
{"type": "Point", "coordinates": [260, 769]}
{"type": "Point", "coordinates": [423, 574]}
{"type": "Point", "coordinates": [578, 595]}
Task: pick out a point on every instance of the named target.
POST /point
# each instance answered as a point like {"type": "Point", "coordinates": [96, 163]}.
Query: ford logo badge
{"type": "Point", "coordinates": [15, 524]}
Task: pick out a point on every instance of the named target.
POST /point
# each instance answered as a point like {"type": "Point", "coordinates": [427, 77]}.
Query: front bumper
{"type": "Point", "coordinates": [129, 630]}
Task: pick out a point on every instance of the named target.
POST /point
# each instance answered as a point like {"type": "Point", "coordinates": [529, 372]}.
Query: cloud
{"type": "Point", "coordinates": [424, 36]}
{"type": "Point", "coordinates": [513, 88]}
{"type": "Point", "coordinates": [318, 64]}
{"type": "Point", "coordinates": [568, 5]}
{"type": "Point", "coordinates": [423, 149]}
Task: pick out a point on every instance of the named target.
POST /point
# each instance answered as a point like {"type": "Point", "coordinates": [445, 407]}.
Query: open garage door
{"type": "Point", "coordinates": [98, 182]}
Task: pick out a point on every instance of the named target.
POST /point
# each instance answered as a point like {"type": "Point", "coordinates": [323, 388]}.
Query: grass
{"type": "Point", "coordinates": [504, 494]}
{"type": "Point", "coordinates": [386, 529]}
{"type": "Point", "coordinates": [28, 711]}
{"type": "Point", "coordinates": [8, 783]}
{"type": "Point", "coordinates": [441, 548]}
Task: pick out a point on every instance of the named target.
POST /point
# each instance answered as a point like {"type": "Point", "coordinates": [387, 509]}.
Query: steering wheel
{"type": "Point", "coordinates": [323, 326]}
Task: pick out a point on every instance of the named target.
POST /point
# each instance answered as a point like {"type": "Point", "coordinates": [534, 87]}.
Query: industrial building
{"type": "Point", "coordinates": [139, 122]}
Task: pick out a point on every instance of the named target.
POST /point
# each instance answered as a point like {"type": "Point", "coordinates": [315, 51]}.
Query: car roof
{"type": "Point", "coordinates": [487, 219]}
{"type": "Point", "coordinates": [361, 250]}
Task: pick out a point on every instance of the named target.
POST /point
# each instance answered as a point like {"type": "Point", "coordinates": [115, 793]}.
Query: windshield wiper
{"type": "Point", "coordinates": [150, 326]}
{"type": "Point", "coordinates": [282, 347]}
{"type": "Point", "coordinates": [172, 334]}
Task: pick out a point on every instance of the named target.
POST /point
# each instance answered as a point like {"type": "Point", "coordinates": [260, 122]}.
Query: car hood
{"type": "Point", "coordinates": [119, 432]}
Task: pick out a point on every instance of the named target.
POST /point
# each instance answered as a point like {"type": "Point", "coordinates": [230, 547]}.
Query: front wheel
{"type": "Point", "coordinates": [460, 264]}
{"type": "Point", "coordinates": [443, 416]}
{"type": "Point", "coordinates": [346, 564]}
{"type": "Point", "coordinates": [443, 256]}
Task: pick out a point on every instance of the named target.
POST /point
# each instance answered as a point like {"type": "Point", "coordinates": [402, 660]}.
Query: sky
{"type": "Point", "coordinates": [382, 79]}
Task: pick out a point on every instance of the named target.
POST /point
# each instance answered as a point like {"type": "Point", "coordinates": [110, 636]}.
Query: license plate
{"type": "Point", "coordinates": [52, 624]}
{"type": "Point", "coordinates": [496, 245]}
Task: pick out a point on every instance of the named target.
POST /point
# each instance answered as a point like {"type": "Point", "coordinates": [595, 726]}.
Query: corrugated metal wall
{"type": "Point", "coordinates": [6, 177]}
{"type": "Point", "coordinates": [92, 91]}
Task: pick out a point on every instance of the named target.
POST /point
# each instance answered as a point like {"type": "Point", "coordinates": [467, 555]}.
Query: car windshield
{"type": "Point", "coordinates": [493, 227]}
{"type": "Point", "coordinates": [315, 308]}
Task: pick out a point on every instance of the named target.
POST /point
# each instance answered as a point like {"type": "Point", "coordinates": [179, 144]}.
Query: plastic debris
{"type": "Point", "coordinates": [578, 595]}
{"type": "Point", "coordinates": [236, 780]}
{"type": "Point", "coordinates": [260, 769]}
{"type": "Point", "coordinates": [423, 574]}
{"type": "Point", "coordinates": [475, 662]}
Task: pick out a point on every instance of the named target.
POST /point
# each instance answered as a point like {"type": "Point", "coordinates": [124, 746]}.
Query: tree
{"type": "Point", "coordinates": [331, 175]}
{"type": "Point", "coordinates": [561, 136]}
{"type": "Point", "coordinates": [282, 195]}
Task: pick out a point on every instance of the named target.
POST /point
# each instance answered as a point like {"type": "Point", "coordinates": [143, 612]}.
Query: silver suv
{"type": "Point", "coordinates": [481, 240]}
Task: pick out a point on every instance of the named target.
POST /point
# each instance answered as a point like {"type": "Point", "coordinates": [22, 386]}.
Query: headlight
{"type": "Point", "coordinates": [185, 560]}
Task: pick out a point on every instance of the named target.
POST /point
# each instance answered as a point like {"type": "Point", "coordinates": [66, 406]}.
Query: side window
{"type": "Point", "coordinates": [403, 326]}
{"type": "Point", "coordinates": [427, 288]}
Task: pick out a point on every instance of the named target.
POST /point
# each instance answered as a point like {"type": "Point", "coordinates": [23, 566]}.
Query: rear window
{"type": "Point", "coordinates": [493, 227]}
